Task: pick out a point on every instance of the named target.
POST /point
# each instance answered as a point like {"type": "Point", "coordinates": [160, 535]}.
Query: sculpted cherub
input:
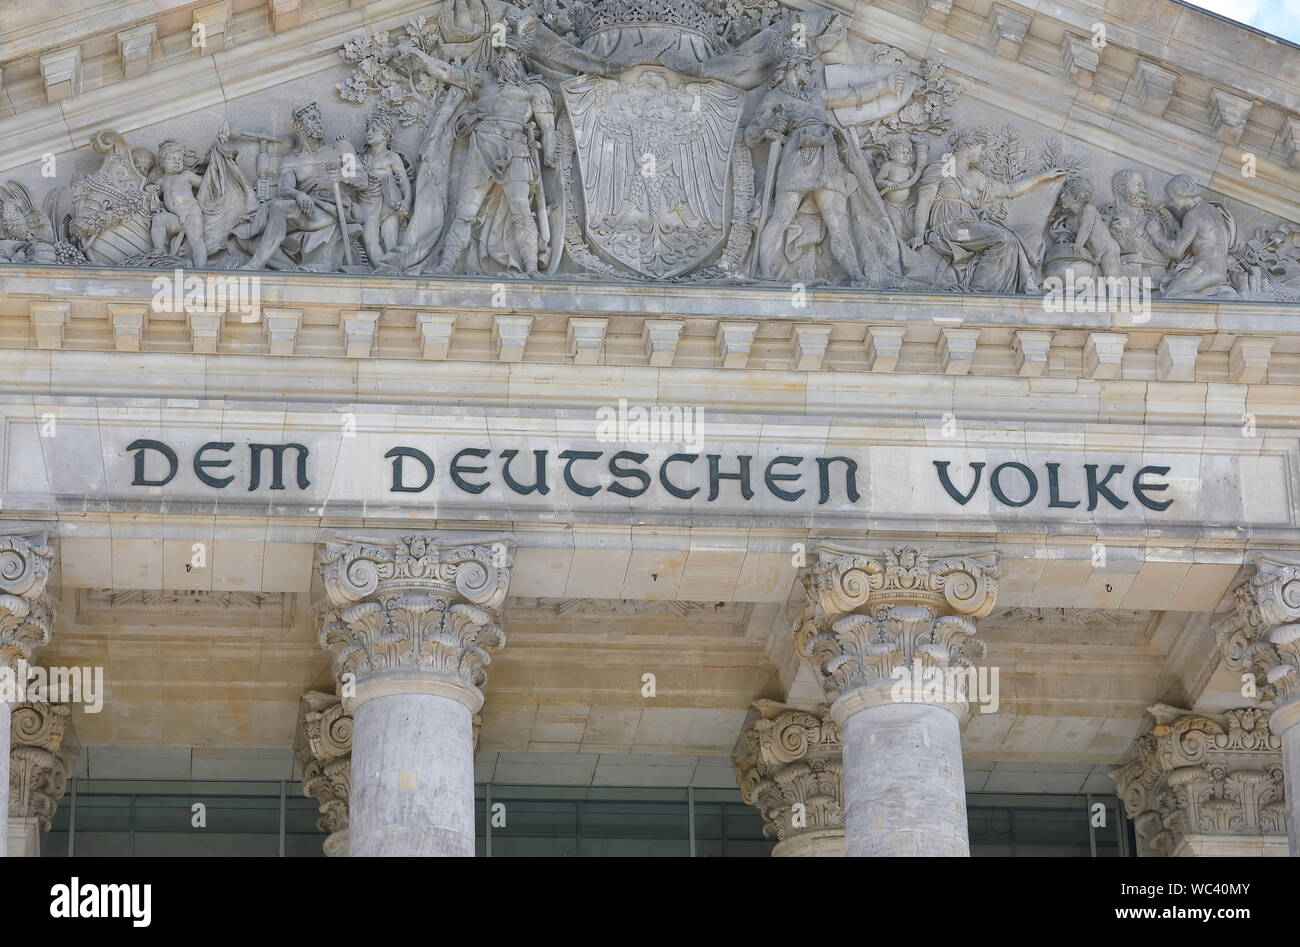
{"type": "Point", "coordinates": [1091, 235]}
{"type": "Point", "coordinates": [905, 159]}
{"type": "Point", "coordinates": [180, 213]}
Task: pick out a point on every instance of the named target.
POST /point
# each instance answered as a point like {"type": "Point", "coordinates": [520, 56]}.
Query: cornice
{"type": "Point", "coordinates": [467, 320]}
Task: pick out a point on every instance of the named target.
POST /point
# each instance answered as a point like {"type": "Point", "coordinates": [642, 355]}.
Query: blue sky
{"type": "Point", "coordinates": [1279, 17]}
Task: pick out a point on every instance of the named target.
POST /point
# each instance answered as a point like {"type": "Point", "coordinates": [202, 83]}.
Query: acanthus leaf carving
{"type": "Point", "coordinates": [421, 604]}
{"type": "Point", "coordinates": [789, 768]}
{"type": "Point", "coordinates": [1212, 774]}
{"type": "Point", "coordinates": [869, 613]}
{"type": "Point", "coordinates": [42, 749]}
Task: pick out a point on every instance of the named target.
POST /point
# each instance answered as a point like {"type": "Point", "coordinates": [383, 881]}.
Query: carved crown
{"type": "Point", "coordinates": [681, 14]}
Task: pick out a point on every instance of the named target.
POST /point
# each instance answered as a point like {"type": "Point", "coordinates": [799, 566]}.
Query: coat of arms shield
{"type": "Point", "coordinates": [654, 154]}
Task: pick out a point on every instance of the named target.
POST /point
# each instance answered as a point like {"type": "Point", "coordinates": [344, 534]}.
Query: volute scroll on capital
{"type": "Point", "coordinates": [790, 768]}
{"type": "Point", "coordinates": [475, 573]}
{"type": "Point", "coordinates": [26, 613]}
{"type": "Point", "coordinates": [869, 613]}
{"type": "Point", "coordinates": [1261, 635]}
{"type": "Point", "coordinates": [844, 581]}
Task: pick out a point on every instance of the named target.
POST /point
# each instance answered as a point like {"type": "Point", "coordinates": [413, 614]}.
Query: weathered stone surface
{"type": "Point", "coordinates": [1198, 784]}
{"type": "Point", "coordinates": [789, 768]}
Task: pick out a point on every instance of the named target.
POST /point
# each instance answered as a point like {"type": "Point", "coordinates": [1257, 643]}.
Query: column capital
{"type": "Point", "coordinates": [1261, 635]}
{"type": "Point", "coordinates": [789, 767]}
{"type": "Point", "coordinates": [1196, 781]}
{"type": "Point", "coordinates": [42, 748]}
{"type": "Point", "coordinates": [845, 580]}
{"type": "Point", "coordinates": [416, 615]}
{"type": "Point", "coordinates": [326, 759]}
{"type": "Point", "coordinates": [26, 611]}
{"type": "Point", "coordinates": [868, 613]}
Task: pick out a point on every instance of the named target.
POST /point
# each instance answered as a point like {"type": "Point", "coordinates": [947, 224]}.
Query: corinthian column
{"type": "Point", "coordinates": [326, 759]}
{"type": "Point", "coordinates": [1205, 784]}
{"type": "Point", "coordinates": [26, 615]}
{"type": "Point", "coordinates": [411, 631]}
{"type": "Point", "coordinates": [888, 634]}
{"type": "Point", "coordinates": [788, 768]}
{"type": "Point", "coordinates": [43, 747]}
{"type": "Point", "coordinates": [1261, 638]}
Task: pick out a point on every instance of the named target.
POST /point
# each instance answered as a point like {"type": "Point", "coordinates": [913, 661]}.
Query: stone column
{"type": "Point", "coordinates": [411, 630]}
{"type": "Point", "coordinates": [26, 616]}
{"type": "Point", "coordinates": [325, 755]}
{"type": "Point", "coordinates": [1261, 638]}
{"type": "Point", "coordinates": [788, 767]}
{"type": "Point", "coordinates": [1205, 784]}
{"type": "Point", "coordinates": [43, 747]}
{"type": "Point", "coordinates": [891, 637]}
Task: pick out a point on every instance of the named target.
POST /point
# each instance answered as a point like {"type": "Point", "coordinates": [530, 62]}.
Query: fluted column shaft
{"type": "Point", "coordinates": [1261, 638]}
{"type": "Point", "coordinates": [875, 627]}
{"type": "Point", "coordinates": [411, 632]}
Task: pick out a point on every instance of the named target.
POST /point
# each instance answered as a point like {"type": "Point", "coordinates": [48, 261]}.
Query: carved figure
{"type": "Point", "coordinates": [180, 214]}
{"type": "Point", "coordinates": [1196, 235]}
{"type": "Point", "coordinates": [1085, 222]}
{"type": "Point", "coordinates": [816, 165]}
{"type": "Point", "coordinates": [984, 255]}
{"type": "Point", "coordinates": [306, 224]}
{"type": "Point", "coordinates": [386, 198]}
{"type": "Point", "coordinates": [905, 159]}
{"type": "Point", "coordinates": [1129, 216]}
{"type": "Point", "coordinates": [503, 173]}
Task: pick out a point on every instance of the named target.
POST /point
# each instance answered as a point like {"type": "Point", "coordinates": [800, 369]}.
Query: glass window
{"type": "Point", "coordinates": [250, 818]}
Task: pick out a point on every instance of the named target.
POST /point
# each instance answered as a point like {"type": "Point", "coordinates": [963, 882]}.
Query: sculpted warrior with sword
{"type": "Point", "coordinates": [503, 178]}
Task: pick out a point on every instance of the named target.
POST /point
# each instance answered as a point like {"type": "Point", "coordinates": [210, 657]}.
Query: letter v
{"type": "Point", "coordinates": [942, 467]}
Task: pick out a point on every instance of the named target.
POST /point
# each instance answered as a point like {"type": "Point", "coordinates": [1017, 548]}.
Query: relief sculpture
{"type": "Point", "coordinates": [648, 140]}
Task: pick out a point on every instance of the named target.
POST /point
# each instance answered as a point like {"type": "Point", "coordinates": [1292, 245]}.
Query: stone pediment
{"type": "Point", "coordinates": [925, 147]}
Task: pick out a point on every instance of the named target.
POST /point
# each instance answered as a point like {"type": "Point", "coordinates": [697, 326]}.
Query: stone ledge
{"type": "Point", "coordinates": [304, 315]}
